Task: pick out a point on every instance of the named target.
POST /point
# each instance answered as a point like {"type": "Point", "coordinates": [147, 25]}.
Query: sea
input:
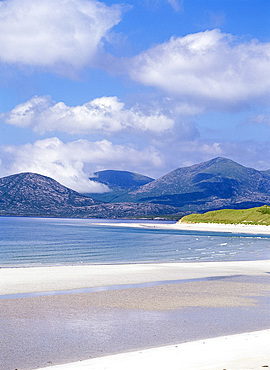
{"type": "Point", "coordinates": [58, 241]}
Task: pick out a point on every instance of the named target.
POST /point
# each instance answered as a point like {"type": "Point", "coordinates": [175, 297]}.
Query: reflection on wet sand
{"type": "Point", "coordinates": [38, 331]}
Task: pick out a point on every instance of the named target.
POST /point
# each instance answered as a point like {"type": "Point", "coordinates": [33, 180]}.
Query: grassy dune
{"type": "Point", "coordinates": [251, 216]}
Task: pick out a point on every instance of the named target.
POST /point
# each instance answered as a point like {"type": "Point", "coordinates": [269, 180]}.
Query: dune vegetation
{"type": "Point", "coordinates": [250, 216]}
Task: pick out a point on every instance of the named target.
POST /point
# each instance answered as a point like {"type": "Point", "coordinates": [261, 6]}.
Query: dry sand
{"type": "Point", "coordinates": [236, 352]}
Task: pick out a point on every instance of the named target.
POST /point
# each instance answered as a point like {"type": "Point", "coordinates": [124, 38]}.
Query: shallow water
{"type": "Point", "coordinates": [35, 242]}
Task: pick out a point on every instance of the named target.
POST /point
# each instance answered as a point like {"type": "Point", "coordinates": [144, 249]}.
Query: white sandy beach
{"type": "Point", "coordinates": [213, 227]}
{"type": "Point", "coordinates": [235, 352]}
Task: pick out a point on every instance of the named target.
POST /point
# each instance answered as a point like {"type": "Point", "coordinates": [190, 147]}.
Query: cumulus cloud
{"type": "Point", "coordinates": [71, 163]}
{"type": "Point", "coordinates": [50, 33]}
{"type": "Point", "coordinates": [107, 114]}
{"type": "Point", "coordinates": [209, 68]}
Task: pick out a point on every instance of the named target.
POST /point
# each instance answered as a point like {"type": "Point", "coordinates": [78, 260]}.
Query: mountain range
{"type": "Point", "coordinates": [31, 194]}
{"type": "Point", "coordinates": [216, 184]}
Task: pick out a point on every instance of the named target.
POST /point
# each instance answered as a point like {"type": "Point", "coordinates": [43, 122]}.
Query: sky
{"type": "Point", "coordinates": [146, 86]}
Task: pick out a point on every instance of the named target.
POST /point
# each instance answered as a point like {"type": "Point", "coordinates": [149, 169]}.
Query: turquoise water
{"type": "Point", "coordinates": [44, 241]}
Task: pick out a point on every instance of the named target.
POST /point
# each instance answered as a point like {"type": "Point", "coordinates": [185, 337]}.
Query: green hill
{"type": "Point", "coordinates": [250, 216]}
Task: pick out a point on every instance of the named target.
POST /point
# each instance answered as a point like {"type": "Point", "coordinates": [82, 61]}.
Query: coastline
{"type": "Point", "coordinates": [237, 288]}
{"type": "Point", "coordinates": [207, 227]}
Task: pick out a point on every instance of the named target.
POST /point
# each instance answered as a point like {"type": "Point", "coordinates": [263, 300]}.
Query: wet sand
{"type": "Point", "coordinates": [50, 330]}
{"type": "Point", "coordinates": [37, 279]}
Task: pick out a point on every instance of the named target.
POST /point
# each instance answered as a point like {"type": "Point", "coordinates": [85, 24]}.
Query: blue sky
{"type": "Point", "coordinates": [146, 86]}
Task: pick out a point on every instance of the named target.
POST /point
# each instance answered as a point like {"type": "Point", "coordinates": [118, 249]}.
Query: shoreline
{"type": "Point", "coordinates": [56, 278]}
{"type": "Point", "coordinates": [234, 352]}
{"type": "Point", "coordinates": [207, 227]}
{"type": "Point", "coordinates": [238, 293]}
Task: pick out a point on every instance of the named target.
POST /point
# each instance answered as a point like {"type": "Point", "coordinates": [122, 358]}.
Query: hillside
{"type": "Point", "coordinates": [215, 184]}
{"type": "Point", "coordinates": [31, 194]}
{"type": "Point", "coordinates": [121, 179]}
{"type": "Point", "coordinates": [119, 183]}
{"type": "Point", "coordinates": [251, 216]}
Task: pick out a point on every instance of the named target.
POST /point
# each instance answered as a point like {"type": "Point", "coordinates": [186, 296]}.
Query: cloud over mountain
{"type": "Point", "coordinates": [51, 33]}
{"type": "Point", "coordinates": [71, 163]}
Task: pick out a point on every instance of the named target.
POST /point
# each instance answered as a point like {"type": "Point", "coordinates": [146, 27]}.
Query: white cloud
{"type": "Point", "coordinates": [107, 114]}
{"type": "Point", "coordinates": [246, 152]}
{"type": "Point", "coordinates": [209, 68]}
{"type": "Point", "coordinates": [200, 149]}
{"type": "Point", "coordinates": [50, 33]}
{"type": "Point", "coordinates": [71, 163]}
{"type": "Point", "coordinates": [176, 4]}
{"type": "Point", "coordinates": [260, 119]}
